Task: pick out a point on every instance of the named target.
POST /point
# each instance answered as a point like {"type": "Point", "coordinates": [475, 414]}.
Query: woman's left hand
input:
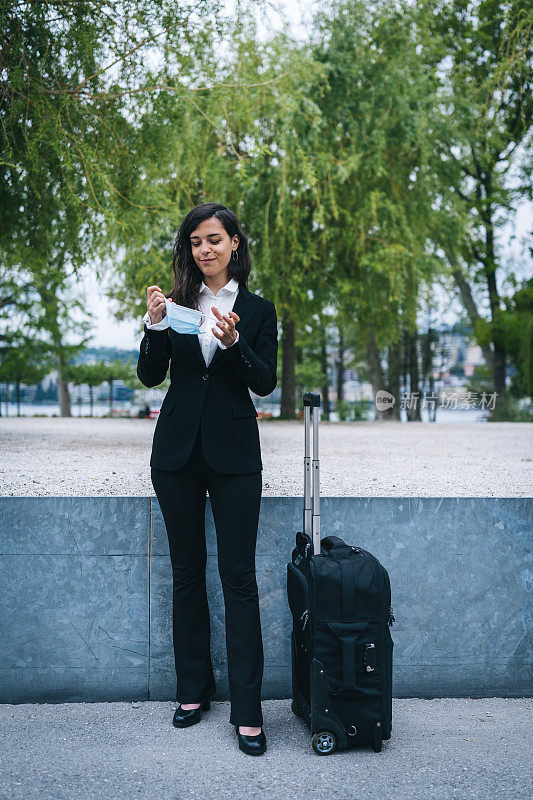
{"type": "Point", "coordinates": [227, 324]}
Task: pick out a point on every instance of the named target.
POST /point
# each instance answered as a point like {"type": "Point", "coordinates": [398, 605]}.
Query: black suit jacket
{"type": "Point", "coordinates": [215, 396]}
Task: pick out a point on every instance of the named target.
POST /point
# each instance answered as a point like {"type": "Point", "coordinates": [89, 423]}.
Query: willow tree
{"type": "Point", "coordinates": [284, 198]}
{"type": "Point", "coordinates": [485, 50]}
{"type": "Point", "coordinates": [241, 130]}
{"type": "Point", "coordinates": [379, 111]}
{"type": "Point", "coordinates": [68, 72]}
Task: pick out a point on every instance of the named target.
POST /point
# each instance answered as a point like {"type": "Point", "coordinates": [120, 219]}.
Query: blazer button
{"type": "Point", "coordinates": [205, 377]}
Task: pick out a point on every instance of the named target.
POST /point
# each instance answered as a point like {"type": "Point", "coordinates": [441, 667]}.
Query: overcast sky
{"type": "Point", "coordinates": [108, 332]}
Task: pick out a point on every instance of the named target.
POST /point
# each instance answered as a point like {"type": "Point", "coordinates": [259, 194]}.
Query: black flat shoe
{"type": "Point", "coordinates": [185, 717]}
{"type": "Point", "coordinates": [252, 745]}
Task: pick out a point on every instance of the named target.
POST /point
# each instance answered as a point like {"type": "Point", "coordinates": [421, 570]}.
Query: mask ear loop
{"type": "Point", "coordinates": [207, 316]}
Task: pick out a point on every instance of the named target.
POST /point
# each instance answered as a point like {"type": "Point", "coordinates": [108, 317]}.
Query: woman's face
{"type": "Point", "coordinates": [212, 247]}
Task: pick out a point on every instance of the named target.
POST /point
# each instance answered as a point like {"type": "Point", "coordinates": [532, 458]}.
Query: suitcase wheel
{"type": "Point", "coordinates": [296, 708]}
{"type": "Point", "coordinates": [324, 743]}
{"type": "Point", "coordinates": [377, 738]}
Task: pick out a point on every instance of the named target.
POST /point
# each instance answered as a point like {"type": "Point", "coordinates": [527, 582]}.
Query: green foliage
{"type": "Point", "coordinates": [365, 165]}
{"type": "Point", "coordinates": [512, 410]}
{"type": "Point", "coordinates": [485, 51]}
{"type": "Point", "coordinates": [354, 411]}
{"type": "Point", "coordinates": [481, 381]}
{"type": "Point", "coordinates": [68, 72]}
{"type": "Point", "coordinates": [518, 327]}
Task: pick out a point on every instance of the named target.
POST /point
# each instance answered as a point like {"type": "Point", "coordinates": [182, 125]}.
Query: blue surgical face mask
{"type": "Point", "coordinates": [182, 319]}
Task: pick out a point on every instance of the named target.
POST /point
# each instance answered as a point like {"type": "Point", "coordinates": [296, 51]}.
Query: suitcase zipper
{"type": "Point", "coordinates": [381, 638]}
{"type": "Point", "coordinates": [305, 595]}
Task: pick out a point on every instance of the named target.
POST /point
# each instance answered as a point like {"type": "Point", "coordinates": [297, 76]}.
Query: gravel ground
{"type": "Point", "coordinates": [92, 457]}
{"type": "Point", "coordinates": [440, 749]}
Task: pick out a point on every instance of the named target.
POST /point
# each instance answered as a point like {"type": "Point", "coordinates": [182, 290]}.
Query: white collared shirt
{"type": "Point", "coordinates": [224, 300]}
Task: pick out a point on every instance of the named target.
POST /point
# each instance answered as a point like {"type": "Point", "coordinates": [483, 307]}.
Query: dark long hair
{"type": "Point", "coordinates": [187, 275]}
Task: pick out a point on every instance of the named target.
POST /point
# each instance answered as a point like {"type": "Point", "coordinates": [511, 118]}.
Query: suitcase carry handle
{"type": "Point", "coordinates": [337, 549]}
{"type": "Point", "coordinates": [332, 541]}
{"type": "Point", "coordinates": [311, 515]}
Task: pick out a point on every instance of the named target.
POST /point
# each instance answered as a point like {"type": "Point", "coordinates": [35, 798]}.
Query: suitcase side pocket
{"type": "Point", "coordinates": [387, 699]}
{"type": "Point", "coordinates": [350, 654]}
{"type": "Point", "coordinates": [298, 597]}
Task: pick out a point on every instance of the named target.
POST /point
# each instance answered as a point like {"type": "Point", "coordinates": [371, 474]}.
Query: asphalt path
{"type": "Point", "coordinates": [439, 749]}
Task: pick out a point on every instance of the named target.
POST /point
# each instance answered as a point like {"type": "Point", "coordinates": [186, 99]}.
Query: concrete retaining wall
{"type": "Point", "coordinates": [86, 600]}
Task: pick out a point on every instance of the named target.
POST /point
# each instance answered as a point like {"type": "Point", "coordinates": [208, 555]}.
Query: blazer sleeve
{"type": "Point", "coordinates": [156, 326]}
{"type": "Point", "coordinates": [258, 367]}
{"type": "Point", "coordinates": [154, 357]}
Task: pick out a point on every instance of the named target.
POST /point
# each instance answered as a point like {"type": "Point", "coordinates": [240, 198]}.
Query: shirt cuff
{"type": "Point", "coordinates": [157, 326]}
{"type": "Point", "coordinates": [223, 347]}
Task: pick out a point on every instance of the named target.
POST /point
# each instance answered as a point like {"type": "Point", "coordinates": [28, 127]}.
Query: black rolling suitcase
{"type": "Point", "coordinates": [341, 646]}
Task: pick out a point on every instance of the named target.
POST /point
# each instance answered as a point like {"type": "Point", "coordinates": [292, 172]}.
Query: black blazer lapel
{"type": "Point", "coordinates": [246, 303]}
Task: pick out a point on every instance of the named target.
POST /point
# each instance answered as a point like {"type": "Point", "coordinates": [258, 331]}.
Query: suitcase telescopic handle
{"type": "Point", "coordinates": [311, 519]}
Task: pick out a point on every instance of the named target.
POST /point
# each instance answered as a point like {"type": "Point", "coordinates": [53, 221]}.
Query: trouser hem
{"type": "Point", "coordinates": [248, 722]}
{"type": "Point", "coordinates": [181, 698]}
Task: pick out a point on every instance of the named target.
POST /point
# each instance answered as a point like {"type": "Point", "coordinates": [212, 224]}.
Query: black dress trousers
{"type": "Point", "coordinates": [235, 502]}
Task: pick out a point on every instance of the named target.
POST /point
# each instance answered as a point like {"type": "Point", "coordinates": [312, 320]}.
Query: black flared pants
{"type": "Point", "coordinates": [235, 502]}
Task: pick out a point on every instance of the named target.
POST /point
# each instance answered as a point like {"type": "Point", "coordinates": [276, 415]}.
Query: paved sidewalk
{"type": "Point", "coordinates": [442, 748]}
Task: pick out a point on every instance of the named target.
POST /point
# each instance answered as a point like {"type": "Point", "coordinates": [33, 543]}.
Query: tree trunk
{"type": "Point", "coordinates": [48, 296]}
{"type": "Point", "coordinates": [395, 366]}
{"type": "Point", "coordinates": [489, 267]}
{"type": "Point", "coordinates": [468, 302]}
{"type": "Point", "coordinates": [377, 377]}
{"type": "Point", "coordinates": [325, 376]}
{"type": "Point", "coordinates": [63, 394]}
{"type": "Point", "coordinates": [340, 367]}
{"type": "Point", "coordinates": [287, 408]}
{"type": "Point", "coordinates": [429, 339]}
{"type": "Point", "coordinates": [432, 406]}
{"type": "Point", "coordinates": [413, 406]}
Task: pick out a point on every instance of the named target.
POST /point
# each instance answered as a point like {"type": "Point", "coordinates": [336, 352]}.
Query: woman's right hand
{"type": "Point", "coordinates": [156, 304]}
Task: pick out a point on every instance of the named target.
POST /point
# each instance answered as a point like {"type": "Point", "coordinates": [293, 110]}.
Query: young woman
{"type": "Point", "coordinates": [206, 437]}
